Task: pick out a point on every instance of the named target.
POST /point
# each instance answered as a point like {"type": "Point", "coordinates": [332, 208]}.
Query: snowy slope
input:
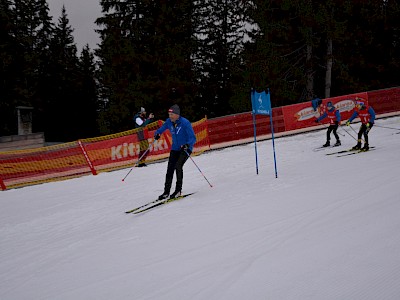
{"type": "Point", "coordinates": [327, 228]}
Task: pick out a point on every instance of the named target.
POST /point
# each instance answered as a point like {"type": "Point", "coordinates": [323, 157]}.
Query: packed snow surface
{"type": "Point", "coordinates": [327, 228]}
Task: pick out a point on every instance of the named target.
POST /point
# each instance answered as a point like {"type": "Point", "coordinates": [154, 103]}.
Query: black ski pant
{"type": "Point", "coordinates": [332, 128]}
{"type": "Point", "coordinates": [364, 130]}
{"type": "Point", "coordinates": [143, 144]}
{"type": "Point", "coordinates": [175, 164]}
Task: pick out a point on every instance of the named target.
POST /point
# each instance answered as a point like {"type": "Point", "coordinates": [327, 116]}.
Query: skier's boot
{"type": "Point", "coordinates": [327, 144]}
{"type": "Point", "coordinates": [338, 143]}
{"type": "Point", "coordinates": [176, 194]}
{"type": "Point", "coordinates": [357, 147]}
{"type": "Point", "coordinates": [366, 147]}
{"type": "Point", "coordinates": [163, 195]}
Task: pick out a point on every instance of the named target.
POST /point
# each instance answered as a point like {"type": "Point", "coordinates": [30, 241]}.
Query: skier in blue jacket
{"type": "Point", "coordinates": [183, 139]}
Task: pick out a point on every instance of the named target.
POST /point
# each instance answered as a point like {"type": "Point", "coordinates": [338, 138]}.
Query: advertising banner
{"type": "Point", "coordinates": [303, 115]}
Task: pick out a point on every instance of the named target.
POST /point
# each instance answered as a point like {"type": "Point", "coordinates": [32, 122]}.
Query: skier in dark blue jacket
{"type": "Point", "coordinates": [183, 139]}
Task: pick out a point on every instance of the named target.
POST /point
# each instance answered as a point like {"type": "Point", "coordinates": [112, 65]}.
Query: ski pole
{"type": "Point", "coordinates": [349, 133]}
{"type": "Point", "coordinates": [339, 132]}
{"type": "Point", "coordinates": [356, 132]}
{"type": "Point", "coordinates": [342, 134]}
{"type": "Point", "coordinates": [198, 168]}
{"type": "Point", "coordinates": [326, 127]}
{"type": "Point", "coordinates": [140, 158]}
{"type": "Point", "coordinates": [386, 127]}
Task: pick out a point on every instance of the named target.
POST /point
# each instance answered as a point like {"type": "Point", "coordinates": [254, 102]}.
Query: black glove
{"type": "Point", "coordinates": [337, 123]}
{"type": "Point", "coordinates": [316, 121]}
{"type": "Point", "coordinates": [157, 136]}
{"type": "Point", "coordinates": [186, 148]}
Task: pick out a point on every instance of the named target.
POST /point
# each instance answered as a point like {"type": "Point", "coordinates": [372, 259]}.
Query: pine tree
{"type": "Point", "coordinates": [8, 45]}
{"type": "Point", "coordinates": [62, 100]}
{"type": "Point", "coordinates": [331, 23]}
{"type": "Point", "coordinates": [27, 32]}
{"type": "Point", "coordinates": [88, 98]}
{"type": "Point", "coordinates": [293, 49]}
{"type": "Point", "coordinates": [118, 66]}
{"type": "Point", "coordinates": [220, 33]}
{"type": "Point", "coordinates": [44, 35]}
{"type": "Point", "coordinates": [27, 23]}
{"type": "Point", "coordinates": [366, 59]}
{"type": "Point", "coordinates": [275, 58]}
{"type": "Point", "coordinates": [145, 59]}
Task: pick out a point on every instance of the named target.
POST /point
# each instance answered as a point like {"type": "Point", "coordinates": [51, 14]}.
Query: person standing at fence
{"type": "Point", "coordinates": [334, 120]}
{"type": "Point", "coordinates": [367, 117]}
{"type": "Point", "coordinates": [183, 139]}
{"type": "Point", "coordinates": [317, 105]}
{"type": "Point", "coordinates": [141, 121]}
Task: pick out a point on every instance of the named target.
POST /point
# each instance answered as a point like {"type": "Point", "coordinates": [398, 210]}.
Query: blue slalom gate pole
{"type": "Point", "coordinates": [261, 104]}
{"type": "Point", "coordinates": [273, 140]}
{"type": "Point", "coordinates": [254, 128]}
{"type": "Point", "coordinates": [273, 145]}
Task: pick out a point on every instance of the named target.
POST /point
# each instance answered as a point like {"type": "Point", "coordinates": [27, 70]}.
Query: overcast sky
{"type": "Point", "coordinates": [81, 14]}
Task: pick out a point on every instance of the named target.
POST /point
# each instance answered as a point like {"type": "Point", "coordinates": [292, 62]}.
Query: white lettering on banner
{"type": "Point", "coordinates": [262, 111]}
{"type": "Point", "coordinates": [160, 145]}
{"type": "Point", "coordinates": [345, 105]}
{"type": "Point", "coordinates": [124, 150]}
{"type": "Point", "coordinates": [116, 152]}
{"type": "Point", "coordinates": [305, 114]}
{"type": "Point", "coordinates": [137, 147]}
{"type": "Point", "coordinates": [133, 149]}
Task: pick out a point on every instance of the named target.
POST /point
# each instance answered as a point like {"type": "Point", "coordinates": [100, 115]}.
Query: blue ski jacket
{"type": "Point", "coordinates": [315, 103]}
{"type": "Point", "coordinates": [366, 115]}
{"type": "Point", "coordinates": [332, 114]}
{"type": "Point", "coordinates": [181, 131]}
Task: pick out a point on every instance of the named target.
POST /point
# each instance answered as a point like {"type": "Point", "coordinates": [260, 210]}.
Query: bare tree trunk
{"type": "Point", "coordinates": [310, 73]}
{"type": "Point", "coordinates": [328, 74]}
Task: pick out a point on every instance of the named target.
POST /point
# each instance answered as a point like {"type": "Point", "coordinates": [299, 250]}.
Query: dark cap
{"type": "Point", "coordinates": [174, 109]}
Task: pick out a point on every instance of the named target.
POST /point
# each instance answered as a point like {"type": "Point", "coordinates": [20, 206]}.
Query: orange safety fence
{"type": "Point", "coordinates": [90, 156]}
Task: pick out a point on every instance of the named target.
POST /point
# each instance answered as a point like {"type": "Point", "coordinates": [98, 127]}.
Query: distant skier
{"type": "Point", "coordinates": [183, 139]}
{"type": "Point", "coordinates": [334, 120]}
{"type": "Point", "coordinates": [367, 117]}
{"type": "Point", "coordinates": [140, 120]}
